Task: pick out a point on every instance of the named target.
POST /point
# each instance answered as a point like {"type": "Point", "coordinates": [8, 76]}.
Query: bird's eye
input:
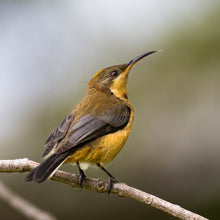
{"type": "Point", "coordinates": [114, 73]}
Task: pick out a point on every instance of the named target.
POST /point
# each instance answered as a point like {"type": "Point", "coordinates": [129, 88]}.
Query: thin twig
{"type": "Point", "coordinates": [23, 206]}
{"type": "Point", "coordinates": [121, 189]}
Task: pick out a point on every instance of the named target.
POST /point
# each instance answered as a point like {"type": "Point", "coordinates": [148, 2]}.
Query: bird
{"type": "Point", "coordinates": [96, 129]}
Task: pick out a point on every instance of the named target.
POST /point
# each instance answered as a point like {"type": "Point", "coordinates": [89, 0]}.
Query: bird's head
{"type": "Point", "coordinates": [113, 79]}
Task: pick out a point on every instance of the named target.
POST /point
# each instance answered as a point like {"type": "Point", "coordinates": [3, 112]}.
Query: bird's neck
{"type": "Point", "coordinates": [105, 96]}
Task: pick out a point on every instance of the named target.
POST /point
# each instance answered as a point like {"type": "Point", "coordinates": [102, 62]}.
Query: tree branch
{"type": "Point", "coordinates": [22, 205]}
{"type": "Point", "coordinates": [97, 185]}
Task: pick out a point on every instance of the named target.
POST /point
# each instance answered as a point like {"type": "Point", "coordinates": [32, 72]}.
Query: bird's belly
{"type": "Point", "coordinates": [106, 148]}
{"type": "Point", "coordinates": [101, 150]}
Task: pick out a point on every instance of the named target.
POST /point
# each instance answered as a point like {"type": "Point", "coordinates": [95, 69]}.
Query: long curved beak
{"type": "Point", "coordinates": [135, 60]}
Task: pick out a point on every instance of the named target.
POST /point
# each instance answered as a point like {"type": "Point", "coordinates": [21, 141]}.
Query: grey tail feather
{"type": "Point", "coordinates": [45, 169]}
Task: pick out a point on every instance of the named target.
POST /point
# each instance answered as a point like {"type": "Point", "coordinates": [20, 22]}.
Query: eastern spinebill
{"type": "Point", "coordinates": [96, 129]}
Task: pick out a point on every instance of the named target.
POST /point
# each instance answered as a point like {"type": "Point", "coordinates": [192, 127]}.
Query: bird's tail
{"type": "Point", "coordinates": [47, 168]}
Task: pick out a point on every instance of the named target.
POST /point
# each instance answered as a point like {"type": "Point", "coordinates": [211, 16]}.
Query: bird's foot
{"type": "Point", "coordinates": [81, 177]}
{"type": "Point", "coordinates": [112, 180]}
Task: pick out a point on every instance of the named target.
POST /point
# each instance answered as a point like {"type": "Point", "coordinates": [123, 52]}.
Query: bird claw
{"type": "Point", "coordinates": [81, 177]}
{"type": "Point", "coordinates": [111, 183]}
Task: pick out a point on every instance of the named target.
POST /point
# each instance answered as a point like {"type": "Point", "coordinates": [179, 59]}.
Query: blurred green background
{"type": "Point", "coordinates": [48, 52]}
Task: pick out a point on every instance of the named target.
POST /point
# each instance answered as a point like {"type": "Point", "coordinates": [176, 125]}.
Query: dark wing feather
{"type": "Point", "coordinates": [58, 134]}
{"type": "Point", "coordinates": [88, 128]}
